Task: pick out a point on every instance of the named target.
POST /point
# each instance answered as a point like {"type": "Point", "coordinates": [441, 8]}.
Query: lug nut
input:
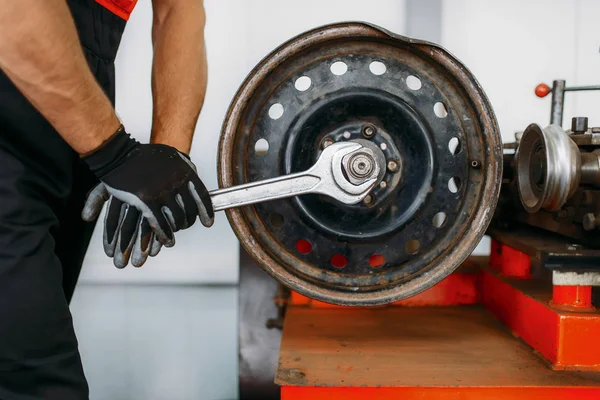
{"type": "Point", "coordinates": [383, 184]}
{"type": "Point", "coordinates": [392, 166]}
{"type": "Point", "coordinates": [326, 143]}
{"type": "Point", "coordinates": [368, 199]}
{"type": "Point", "coordinates": [369, 131]}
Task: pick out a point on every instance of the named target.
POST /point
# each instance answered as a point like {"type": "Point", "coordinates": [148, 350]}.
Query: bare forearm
{"type": "Point", "coordinates": [179, 73]}
{"type": "Point", "coordinates": [40, 52]}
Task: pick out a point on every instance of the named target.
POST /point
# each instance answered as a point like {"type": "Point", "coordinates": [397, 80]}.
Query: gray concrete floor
{"type": "Point", "coordinates": [156, 342]}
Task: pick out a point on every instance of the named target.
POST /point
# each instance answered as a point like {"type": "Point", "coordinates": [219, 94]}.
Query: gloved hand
{"type": "Point", "coordinates": [151, 185]}
{"type": "Point", "coordinates": [126, 233]}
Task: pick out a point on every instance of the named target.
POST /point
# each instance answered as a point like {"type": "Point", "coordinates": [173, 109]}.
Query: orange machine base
{"type": "Point", "coordinates": [415, 353]}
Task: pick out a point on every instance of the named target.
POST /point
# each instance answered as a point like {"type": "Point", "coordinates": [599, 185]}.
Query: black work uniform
{"type": "Point", "coordinates": [43, 239]}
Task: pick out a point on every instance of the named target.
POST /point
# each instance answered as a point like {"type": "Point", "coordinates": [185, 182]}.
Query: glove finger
{"type": "Point", "coordinates": [126, 238]}
{"type": "Point", "coordinates": [126, 234]}
{"type": "Point", "coordinates": [156, 246]}
{"type": "Point", "coordinates": [203, 202]}
{"type": "Point", "coordinates": [189, 206]}
{"type": "Point", "coordinates": [174, 212]}
{"type": "Point", "coordinates": [129, 227]}
{"type": "Point", "coordinates": [112, 222]}
{"type": "Point", "coordinates": [94, 203]}
{"type": "Point", "coordinates": [161, 226]}
{"type": "Point", "coordinates": [143, 244]}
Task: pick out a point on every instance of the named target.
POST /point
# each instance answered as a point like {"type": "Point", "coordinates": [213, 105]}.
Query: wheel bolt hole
{"type": "Point", "coordinates": [440, 110]}
{"type": "Point", "coordinates": [339, 68]}
{"type": "Point", "coordinates": [275, 111]}
{"type": "Point", "coordinates": [303, 83]}
{"type": "Point", "coordinates": [454, 146]}
{"type": "Point", "coordinates": [261, 147]}
{"type": "Point", "coordinates": [413, 82]}
{"type": "Point", "coordinates": [339, 261]}
{"type": "Point", "coordinates": [454, 184]}
{"type": "Point", "coordinates": [303, 246]}
{"type": "Point", "coordinates": [376, 260]}
{"type": "Point", "coordinates": [439, 219]}
{"type": "Point", "coordinates": [377, 68]}
{"type": "Point", "coordinates": [412, 246]}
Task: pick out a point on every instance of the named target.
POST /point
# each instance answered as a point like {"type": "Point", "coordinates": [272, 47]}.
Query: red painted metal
{"type": "Point", "coordinates": [456, 289]}
{"type": "Point", "coordinates": [436, 393]}
{"type": "Point", "coordinates": [510, 262]}
{"type": "Point", "coordinates": [575, 297]}
{"type": "Point", "coordinates": [533, 321]}
{"type": "Point", "coordinates": [567, 339]}
{"type": "Point", "coordinates": [542, 90]}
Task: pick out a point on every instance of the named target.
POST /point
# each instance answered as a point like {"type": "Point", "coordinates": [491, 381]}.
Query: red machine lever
{"type": "Point", "coordinates": [542, 90]}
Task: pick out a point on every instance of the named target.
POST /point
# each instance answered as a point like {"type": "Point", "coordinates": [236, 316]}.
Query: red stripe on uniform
{"type": "Point", "coordinates": [122, 8]}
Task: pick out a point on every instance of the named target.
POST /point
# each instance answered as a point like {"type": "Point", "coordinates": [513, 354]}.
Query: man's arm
{"type": "Point", "coordinates": [40, 52]}
{"type": "Point", "coordinates": [179, 72]}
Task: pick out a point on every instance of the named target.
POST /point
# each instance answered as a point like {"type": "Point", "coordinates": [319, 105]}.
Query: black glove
{"type": "Point", "coordinates": [126, 233]}
{"type": "Point", "coordinates": [154, 191]}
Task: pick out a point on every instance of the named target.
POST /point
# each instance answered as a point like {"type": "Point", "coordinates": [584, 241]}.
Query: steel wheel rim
{"type": "Point", "coordinates": [250, 229]}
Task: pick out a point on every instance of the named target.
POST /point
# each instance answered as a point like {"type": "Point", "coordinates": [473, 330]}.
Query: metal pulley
{"type": "Point", "coordinates": [548, 168]}
{"type": "Point", "coordinates": [426, 140]}
{"type": "Point", "coordinates": [551, 164]}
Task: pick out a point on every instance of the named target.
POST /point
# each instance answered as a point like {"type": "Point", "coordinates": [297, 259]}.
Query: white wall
{"type": "Point", "coordinates": [238, 33]}
{"type": "Point", "coordinates": [512, 45]}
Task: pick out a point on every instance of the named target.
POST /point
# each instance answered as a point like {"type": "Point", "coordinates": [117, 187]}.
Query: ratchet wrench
{"type": "Point", "coordinates": [325, 177]}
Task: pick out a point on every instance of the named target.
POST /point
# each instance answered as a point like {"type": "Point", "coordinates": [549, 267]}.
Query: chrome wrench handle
{"type": "Point", "coordinates": [324, 177]}
{"type": "Point", "coordinates": [265, 190]}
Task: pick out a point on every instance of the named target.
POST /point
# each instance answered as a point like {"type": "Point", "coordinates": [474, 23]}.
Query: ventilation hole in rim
{"type": "Point", "coordinates": [413, 82]}
{"type": "Point", "coordinates": [454, 146]}
{"type": "Point", "coordinates": [303, 83]}
{"type": "Point", "coordinates": [439, 219]}
{"type": "Point", "coordinates": [261, 147]}
{"type": "Point", "coordinates": [454, 184]}
{"type": "Point", "coordinates": [303, 246]}
{"type": "Point", "coordinates": [339, 261]}
{"type": "Point", "coordinates": [339, 68]}
{"type": "Point", "coordinates": [412, 246]}
{"type": "Point", "coordinates": [277, 220]}
{"type": "Point", "coordinates": [440, 110]}
{"type": "Point", "coordinates": [377, 68]}
{"type": "Point", "coordinates": [376, 260]}
{"type": "Point", "coordinates": [276, 111]}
